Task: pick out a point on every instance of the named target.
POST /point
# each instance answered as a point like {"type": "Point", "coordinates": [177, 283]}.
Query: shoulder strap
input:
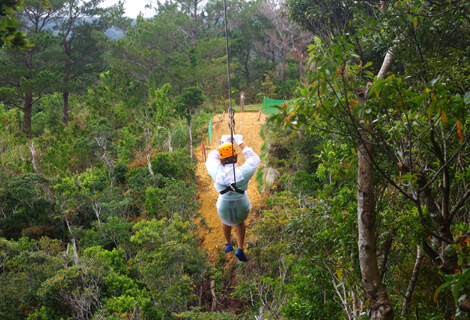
{"type": "Point", "coordinates": [232, 187]}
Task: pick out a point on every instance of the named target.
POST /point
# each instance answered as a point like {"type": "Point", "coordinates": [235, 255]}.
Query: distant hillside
{"type": "Point", "coordinates": [114, 33]}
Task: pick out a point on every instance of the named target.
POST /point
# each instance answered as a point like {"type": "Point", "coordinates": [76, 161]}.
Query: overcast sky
{"type": "Point", "coordinates": [132, 7]}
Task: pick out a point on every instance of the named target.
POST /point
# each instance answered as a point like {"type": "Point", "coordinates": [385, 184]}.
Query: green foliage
{"type": "Point", "coordinates": [311, 285]}
{"type": "Point", "coordinates": [26, 204]}
{"type": "Point", "coordinates": [9, 34]}
{"type": "Point", "coordinates": [189, 100]}
{"type": "Point", "coordinates": [197, 314]}
{"type": "Point", "coordinates": [173, 164]}
{"type": "Point", "coordinates": [120, 171]}
{"type": "Point", "coordinates": [299, 257]}
{"type": "Point", "coordinates": [158, 101]}
{"type": "Point", "coordinates": [175, 197]}
{"type": "Point", "coordinates": [114, 259]}
{"type": "Point", "coordinates": [126, 145]}
{"type": "Point", "coordinates": [78, 286]}
{"type": "Point", "coordinates": [115, 97]}
{"type": "Point", "coordinates": [89, 181]}
{"type": "Point", "coordinates": [48, 115]}
{"type": "Point", "coordinates": [168, 262]}
{"type": "Point", "coordinates": [458, 282]}
{"type": "Point", "coordinates": [26, 266]}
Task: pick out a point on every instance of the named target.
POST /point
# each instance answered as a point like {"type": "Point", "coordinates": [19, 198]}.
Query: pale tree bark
{"type": "Point", "coordinates": [33, 154]}
{"type": "Point", "coordinates": [148, 133]}
{"type": "Point", "coordinates": [170, 148]}
{"type": "Point", "coordinates": [75, 254]}
{"type": "Point", "coordinates": [412, 283]}
{"type": "Point", "coordinates": [348, 299]}
{"type": "Point", "coordinates": [108, 161]}
{"type": "Point", "coordinates": [96, 205]}
{"type": "Point", "coordinates": [380, 304]}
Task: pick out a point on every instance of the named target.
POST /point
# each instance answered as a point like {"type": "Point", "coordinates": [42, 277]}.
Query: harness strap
{"type": "Point", "coordinates": [232, 187]}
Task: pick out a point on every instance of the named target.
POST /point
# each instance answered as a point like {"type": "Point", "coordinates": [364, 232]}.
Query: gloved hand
{"type": "Point", "coordinates": [225, 138]}
{"type": "Point", "coordinates": [238, 139]}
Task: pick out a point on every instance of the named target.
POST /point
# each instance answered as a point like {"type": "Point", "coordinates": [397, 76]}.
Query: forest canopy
{"type": "Point", "coordinates": [367, 216]}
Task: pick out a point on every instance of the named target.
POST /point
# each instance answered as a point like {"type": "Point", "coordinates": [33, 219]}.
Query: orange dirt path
{"type": "Point", "coordinates": [249, 127]}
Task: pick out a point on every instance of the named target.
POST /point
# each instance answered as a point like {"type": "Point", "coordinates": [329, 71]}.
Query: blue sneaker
{"type": "Point", "coordinates": [228, 248]}
{"type": "Point", "coordinates": [240, 255]}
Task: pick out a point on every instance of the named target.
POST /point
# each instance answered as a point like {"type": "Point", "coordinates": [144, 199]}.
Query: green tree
{"type": "Point", "coordinates": [82, 56]}
{"type": "Point", "coordinates": [188, 104]}
{"type": "Point", "coordinates": [168, 261]}
{"type": "Point", "coordinates": [396, 121]}
{"type": "Point", "coordinates": [27, 75]}
{"type": "Point", "coordinates": [26, 205]}
{"type": "Point", "coordinates": [180, 45]}
{"type": "Point", "coordinates": [26, 265]}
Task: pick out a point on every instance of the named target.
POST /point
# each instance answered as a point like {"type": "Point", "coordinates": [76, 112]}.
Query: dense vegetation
{"type": "Point", "coordinates": [369, 216]}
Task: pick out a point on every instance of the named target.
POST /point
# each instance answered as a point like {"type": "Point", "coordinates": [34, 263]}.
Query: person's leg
{"type": "Point", "coordinates": [241, 231]}
{"type": "Point", "coordinates": [228, 237]}
{"type": "Point", "coordinates": [227, 233]}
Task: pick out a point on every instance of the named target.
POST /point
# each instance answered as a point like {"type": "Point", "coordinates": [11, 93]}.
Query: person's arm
{"type": "Point", "coordinates": [251, 158]}
{"type": "Point", "coordinates": [213, 162]}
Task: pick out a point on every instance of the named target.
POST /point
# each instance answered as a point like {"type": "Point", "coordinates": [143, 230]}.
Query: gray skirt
{"type": "Point", "coordinates": [232, 212]}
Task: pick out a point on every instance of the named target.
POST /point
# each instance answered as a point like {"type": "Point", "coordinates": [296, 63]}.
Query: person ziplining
{"type": "Point", "coordinates": [233, 204]}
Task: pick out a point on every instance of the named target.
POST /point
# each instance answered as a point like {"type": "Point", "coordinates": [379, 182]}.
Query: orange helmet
{"type": "Point", "coordinates": [227, 150]}
{"type": "Point", "coordinates": [227, 153]}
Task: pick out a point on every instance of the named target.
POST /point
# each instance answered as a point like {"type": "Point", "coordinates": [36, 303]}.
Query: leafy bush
{"type": "Point", "coordinates": [173, 164]}
{"type": "Point", "coordinates": [168, 261]}
{"type": "Point", "coordinates": [176, 197]}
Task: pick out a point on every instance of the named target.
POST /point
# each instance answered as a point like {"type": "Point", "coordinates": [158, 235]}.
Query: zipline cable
{"type": "Point", "coordinates": [227, 52]}
{"type": "Point", "coordinates": [231, 110]}
{"type": "Point", "coordinates": [241, 118]}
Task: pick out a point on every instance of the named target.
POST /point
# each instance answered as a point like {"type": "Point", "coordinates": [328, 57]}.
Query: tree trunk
{"type": "Point", "coordinates": [214, 297]}
{"type": "Point", "coordinates": [283, 59]}
{"type": "Point", "coordinates": [380, 304]}
{"type": "Point", "coordinates": [33, 155]}
{"type": "Point", "coordinates": [247, 68]}
{"type": "Point", "coordinates": [66, 117]}
{"type": "Point", "coordinates": [27, 112]}
{"type": "Point", "coordinates": [272, 52]}
{"type": "Point", "coordinates": [193, 31]}
{"type": "Point", "coordinates": [149, 164]}
{"type": "Point", "coordinates": [170, 148]}
{"type": "Point", "coordinates": [191, 139]}
{"type": "Point", "coordinates": [413, 281]}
